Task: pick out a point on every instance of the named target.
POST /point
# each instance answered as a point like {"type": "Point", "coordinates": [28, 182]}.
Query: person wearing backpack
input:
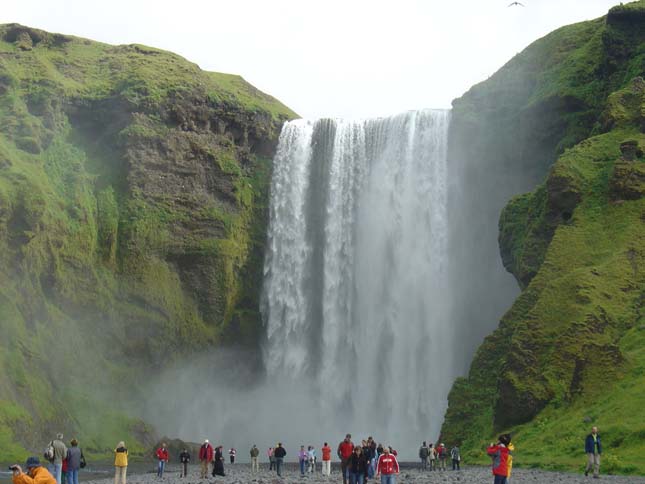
{"type": "Point", "coordinates": [423, 455]}
{"type": "Point", "coordinates": [60, 453]}
{"type": "Point", "coordinates": [74, 455]}
{"type": "Point", "coordinates": [34, 474]}
{"type": "Point", "coordinates": [455, 454]}
{"type": "Point", "coordinates": [120, 463]}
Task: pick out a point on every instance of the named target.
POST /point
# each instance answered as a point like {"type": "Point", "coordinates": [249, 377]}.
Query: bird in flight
{"type": "Point", "coordinates": [516, 3]}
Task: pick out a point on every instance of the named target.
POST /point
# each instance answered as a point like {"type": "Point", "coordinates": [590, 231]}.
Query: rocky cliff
{"type": "Point", "coordinates": [569, 352]}
{"type": "Point", "coordinates": [133, 188]}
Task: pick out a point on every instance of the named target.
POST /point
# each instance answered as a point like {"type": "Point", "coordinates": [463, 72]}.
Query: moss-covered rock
{"type": "Point", "coordinates": [132, 192]}
{"type": "Point", "coordinates": [562, 357]}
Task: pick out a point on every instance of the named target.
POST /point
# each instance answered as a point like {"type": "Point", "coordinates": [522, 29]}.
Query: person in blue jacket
{"type": "Point", "coordinates": [593, 449]}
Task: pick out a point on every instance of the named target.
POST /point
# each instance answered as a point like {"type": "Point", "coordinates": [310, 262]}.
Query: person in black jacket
{"type": "Point", "coordinates": [357, 466]}
{"type": "Point", "coordinates": [218, 462]}
{"type": "Point", "coordinates": [279, 452]}
{"type": "Point", "coordinates": [184, 458]}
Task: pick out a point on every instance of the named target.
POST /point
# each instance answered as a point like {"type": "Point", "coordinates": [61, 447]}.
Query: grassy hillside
{"type": "Point", "coordinates": [569, 352]}
{"type": "Point", "coordinates": [133, 189]}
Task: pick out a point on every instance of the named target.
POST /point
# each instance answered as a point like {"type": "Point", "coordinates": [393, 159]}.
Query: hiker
{"type": "Point", "coordinates": [423, 455]}
{"type": "Point", "coordinates": [271, 458]}
{"type": "Point", "coordinates": [74, 459]}
{"type": "Point", "coordinates": [36, 474]}
{"type": "Point", "coordinates": [63, 472]}
{"type": "Point", "coordinates": [60, 453]}
{"type": "Point", "coordinates": [278, 453]}
{"type": "Point", "coordinates": [344, 452]}
{"type": "Point", "coordinates": [593, 449]}
{"type": "Point", "coordinates": [326, 460]}
{"type": "Point", "coordinates": [500, 454]}
{"type": "Point", "coordinates": [511, 449]}
{"type": "Point", "coordinates": [357, 466]}
{"type": "Point", "coordinates": [442, 452]}
{"type": "Point", "coordinates": [455, 455]}
{"type": "Point", "coordinates": [432, 456]}
{"type": "Point", "coordinates": [255, 452]}
{"type": "Point", "coordinates": [387, 467]}
{"type": "Point", "coordinates": [162, 457]}
{"type": "Point", "coordinates": [205, 458]}
{"type": "Point", "coordinates": [371, 455]}
{"type": "Point", "coordinates": [302, 459]}
{"type": "Point", "coordinates": [184, 458]}
{"type": "Point", "coordinates": [120, 463]}
{"type": "Point", "coordinates": [218, 461]}
{"type": "Point", "coordinates": [311, 455]}
{"type": "Point", "coordinates": [231, 454]}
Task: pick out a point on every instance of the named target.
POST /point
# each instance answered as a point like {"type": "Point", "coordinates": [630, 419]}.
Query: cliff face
{"type": "Point", "coordinates": [569, 351]}
{"type": "Point", "coordinates": [133, 189]}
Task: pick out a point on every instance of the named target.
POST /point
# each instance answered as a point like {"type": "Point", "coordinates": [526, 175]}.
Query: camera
{"type": "Point", "coordinates": [13, 468]}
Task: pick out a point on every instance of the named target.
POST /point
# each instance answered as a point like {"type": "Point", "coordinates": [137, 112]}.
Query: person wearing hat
{"type": "Point", "coordinates": [36, 474]}
{"type": "Point", "coordinates": [120, 463]}
{"type": "Point", "coordinates": [60, 453]}
{"type": "Point", "coordinates": [205, 458]}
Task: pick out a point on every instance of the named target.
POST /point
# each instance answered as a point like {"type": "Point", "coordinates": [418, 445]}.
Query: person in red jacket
{"type": "Point", "coordinates": [387, 467]}
{"type": "Point", "coordinates": [500, 454]}
{"type": "Point", "coordinates": [326, 460]}
{"type": "Point", "coordinates": [205, 458]}
{"type": "Point", "coordinates": [162, 456]}
{"type": "Point", "coordinates": [345, 450]}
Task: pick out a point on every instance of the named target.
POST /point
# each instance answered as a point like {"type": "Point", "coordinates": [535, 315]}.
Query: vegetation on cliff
{"type": "Point", "coordinates": [133, 189]}
{"type": "Point", "coordinates": [569, 352]}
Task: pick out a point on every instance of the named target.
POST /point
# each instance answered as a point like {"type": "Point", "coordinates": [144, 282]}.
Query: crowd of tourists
{"type": "Point", "coordinates": [358, 462]}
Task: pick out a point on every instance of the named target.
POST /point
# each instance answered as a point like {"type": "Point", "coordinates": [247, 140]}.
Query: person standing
{"type": "Point", "coordinates": [443, 455]}
{"type": "Point", "coordinates": [311, 456]}
{"type": "Point", "coordinates": [231, 453]}
{"type": "Point", "coordinates": [302, 459]}
{"type": "Point", "coordinates": [184, 458]}
{"type": "Point", "coordinates": [593, 449]}
{"type": "Point", "coordinates": [423, 455]}
{"type": "Point", "coordinates": [120, 463]}
{"type": "Point", "coordinates": [218, 461]}
{"type": "Point", "coordinates": [500, 453]}
{"type": "Point", "coordinates": [255, 452]}
{"type": "Point", "coordinates": [326, 460]}
{"type": "Point", "coordinates": [60, 453]}
{"type": "Point", "coordinates": [36, 474]}
{"type": "Point", "coordinates": [205, 458]}
{"type": "Point", "coordinates": [344, 452]}
{"type": "Point", "coordinates": [279, 453]}
{"type": "Point", "coordinates": [387, 467]}
{"type": "Point", "coordinates": [74, 455]}
{"type": "Point", "coordinates": [271, 458]}
{"type": "Point", "coordinates": [162, 457]}
{"type": "Point", "coordinates": [357, 466]}
{"type": "Point", "coordinates": [455, 455]}
{"type": "Point", "coordinates": [432, 455]}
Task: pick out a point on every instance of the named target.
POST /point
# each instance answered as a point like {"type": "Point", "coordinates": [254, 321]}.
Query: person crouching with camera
{"type": "Point", "coordinates": [34, 474]}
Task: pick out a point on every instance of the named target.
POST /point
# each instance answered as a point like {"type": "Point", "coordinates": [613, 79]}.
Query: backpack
{"type": "Point", "coordinates": [49, 452]}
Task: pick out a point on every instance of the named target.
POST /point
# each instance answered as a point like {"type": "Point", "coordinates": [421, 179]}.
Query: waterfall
{"type": "Point", "coordinates": [357, 301]}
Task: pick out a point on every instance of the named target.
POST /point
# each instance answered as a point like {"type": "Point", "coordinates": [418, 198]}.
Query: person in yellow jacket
{"type": "Point", "coordinates": [36, 474]}
{"type": "Point", "coordinates": [120, 463]}
{"type": "Point", "coordinates": [511, 448]}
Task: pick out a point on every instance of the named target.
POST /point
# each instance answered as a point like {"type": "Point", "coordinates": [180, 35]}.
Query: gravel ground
{"type": "Point", "coordinates": [241, 473]}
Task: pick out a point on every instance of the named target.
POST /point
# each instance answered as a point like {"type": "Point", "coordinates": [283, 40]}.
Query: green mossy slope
{"type": "Point", "coordinates": [569, 352]}
{"type": "Point", "coordinates": [133, 189]}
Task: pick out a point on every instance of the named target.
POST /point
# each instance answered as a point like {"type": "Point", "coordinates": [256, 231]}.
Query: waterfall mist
{"type": "Point", "coordinates": [366, 325]}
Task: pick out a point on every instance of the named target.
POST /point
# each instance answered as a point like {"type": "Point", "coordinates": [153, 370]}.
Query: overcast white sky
{"type": "Point", "coordinates": [338, 58]}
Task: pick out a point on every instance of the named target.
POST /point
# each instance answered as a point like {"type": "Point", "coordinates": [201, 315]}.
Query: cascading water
{"type": "Point", "coordinates": [357, 303]}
